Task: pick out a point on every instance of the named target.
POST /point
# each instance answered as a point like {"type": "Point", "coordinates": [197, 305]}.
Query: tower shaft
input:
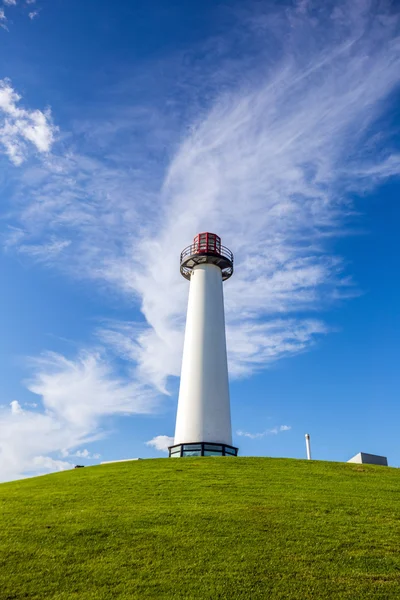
{"type": "Point", "coordinates": [204, 406]}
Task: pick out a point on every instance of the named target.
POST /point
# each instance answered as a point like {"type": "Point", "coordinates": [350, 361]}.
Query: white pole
{"type": "Point", "coordinates": [308, 447]}
{"type": "Point", "coordinates": [204, 406]}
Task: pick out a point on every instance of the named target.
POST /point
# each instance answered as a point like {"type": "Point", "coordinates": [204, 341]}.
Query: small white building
{"type": "Point", "coordinates": [369, 459]}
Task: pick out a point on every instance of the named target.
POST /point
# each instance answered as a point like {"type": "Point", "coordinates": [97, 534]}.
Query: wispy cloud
{"type": "Point", "coordinates": [10, 2]}
{"type": "Point", "coordinates": [161, 442]}
{"type": "Point", "coordinates": [85, 453]}
{"type": "Point", "coordinates": [285, 428]}
{"type": "Point", "coordinates": [47, 252]}
{"type": "Point", "coordinates": [15, 407]}
{"type": "Point", "coordinates": [20, 127]}
{"type": "Point", "coordinates": [32, 15]}
{"type": "Point", "coordinates": [46, 464]}
{"type": "Point", "coordinates": [272, 431]}
{"type": "Point", "coordinates": [3, 20]}
{"type": "Point", "coordinates": [28, 438]}
{"type": "Point", "coordinates": [85, 389]}
{"type": "Point", "coordinates": [75, 397]}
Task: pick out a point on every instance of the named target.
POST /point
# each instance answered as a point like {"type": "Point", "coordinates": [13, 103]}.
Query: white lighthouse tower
{"type": "Point", "coordinates": [203, 421]}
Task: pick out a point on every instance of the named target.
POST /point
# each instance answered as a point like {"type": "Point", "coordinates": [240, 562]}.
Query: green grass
{"type": "Point", "coordinates": [204, 528]}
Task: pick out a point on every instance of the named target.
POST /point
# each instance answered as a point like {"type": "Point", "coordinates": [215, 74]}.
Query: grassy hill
{"type": "Point", "coordinates": [204, 528]}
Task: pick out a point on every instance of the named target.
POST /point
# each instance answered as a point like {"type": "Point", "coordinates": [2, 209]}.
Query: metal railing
{"type": "Point", "coordinates": [196, 249]}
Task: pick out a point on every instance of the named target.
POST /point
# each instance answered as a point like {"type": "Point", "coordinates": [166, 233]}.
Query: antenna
{"type": "Point", "coordinates": [308, 447]}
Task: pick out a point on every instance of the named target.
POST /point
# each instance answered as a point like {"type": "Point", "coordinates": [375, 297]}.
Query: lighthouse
{"type": "Point", "coordinates": [203, 421]}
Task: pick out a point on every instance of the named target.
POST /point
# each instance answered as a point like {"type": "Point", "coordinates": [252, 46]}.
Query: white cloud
{"type": "Point", "coordinates": [253, 436]}
{"type": "Point", "coordinates": [161, 442]}
{"type": "Point", "coordinates": [3, 20]}
{"type": "Point", "coordinates": [10, 2]}
{"type": "Point", "coordinates": [83, 390]}
{"type": "Point", "coordinates": [86, 454]}
{"type": "Point", "coordinates": [25, 436]}
{"type": "Point", "coordinates": [20, 126]}
{"type": "Point", "coordinates": [82, 453]}
{"type": "Point", "coordinates": [47, 464]}
{"type": "Point", "coordinates": [374, 173]}
{"type": "Point", "coordinates": [16, 408]}
{"type": "Point", "coordinates": [45, 252]}
{"type": "Point", "coordinates": [253, 346]}
{"type": "Point", "coordinates": [32, 15]}
{"type": "Point", "coordinates": [131, 341]}
{"type": "Point", "coordinates": [76, 396]}
{"type": "Point", "coordinates": [272, 431]}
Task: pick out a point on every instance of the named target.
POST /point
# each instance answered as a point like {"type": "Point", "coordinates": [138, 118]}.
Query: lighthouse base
{"type": "Point", "coordinates": [202, 449]}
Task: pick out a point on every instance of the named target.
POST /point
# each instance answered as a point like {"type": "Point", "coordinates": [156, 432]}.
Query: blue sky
{"type": "Point", "coordinates": [126, 128]}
